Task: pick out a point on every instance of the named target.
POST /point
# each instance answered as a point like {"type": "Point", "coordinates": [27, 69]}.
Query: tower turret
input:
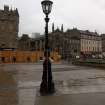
{"type": "Point", "coordinates": [52, 27]}
{"type": "Point", "coordinates": [6, 8]}
{"type": "Point", "coordinates": [62, 28]}
{"type": "Point", "coordinates": [17, 13]}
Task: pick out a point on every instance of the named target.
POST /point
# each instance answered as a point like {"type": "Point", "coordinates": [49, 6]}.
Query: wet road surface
{"type": "Point", "coordinates": [8, 89]}
{"type": "Point", "coordinates": [70, 81]}
{"type": "Point", "coordinates": [74, 99]}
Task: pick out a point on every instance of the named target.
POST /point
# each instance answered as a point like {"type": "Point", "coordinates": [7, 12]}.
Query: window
{"type": "Point", "coordinates": [3, 59]}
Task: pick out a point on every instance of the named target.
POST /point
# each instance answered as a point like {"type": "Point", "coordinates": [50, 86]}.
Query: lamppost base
{"type": "Point", "coordinates": [44, 90]}
{"type": "Point", "coordinates": [47, 84]}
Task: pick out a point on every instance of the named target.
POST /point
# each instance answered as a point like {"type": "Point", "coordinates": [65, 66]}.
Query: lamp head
{"type": "Point", "coordinates": [46, 6]}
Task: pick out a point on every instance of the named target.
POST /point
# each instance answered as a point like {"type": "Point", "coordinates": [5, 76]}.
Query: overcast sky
{"type": "Point", "coordinates": [83, 14]}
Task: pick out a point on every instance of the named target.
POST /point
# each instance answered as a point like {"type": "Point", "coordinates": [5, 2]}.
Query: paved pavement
{"type": "Point", "coordinates": [74, 99]}
{"type": "Point", "coordinates": [8, 89]}
{"type": "Point", "coordinates": [70, 82]}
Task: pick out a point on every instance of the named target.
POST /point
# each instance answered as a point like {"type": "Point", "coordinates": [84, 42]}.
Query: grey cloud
{"type": "Point", "coordinates": [83, 14]}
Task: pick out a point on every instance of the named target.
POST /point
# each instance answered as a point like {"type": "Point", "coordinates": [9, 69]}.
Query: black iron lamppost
{"type": "Point", "coordinates": [47, 84]}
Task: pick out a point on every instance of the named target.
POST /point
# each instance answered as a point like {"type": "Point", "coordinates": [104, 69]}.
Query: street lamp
{"type": "Point", "coordinates": [47, 84]}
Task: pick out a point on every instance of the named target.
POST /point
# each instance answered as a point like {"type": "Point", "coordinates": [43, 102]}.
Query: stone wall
{"type": "Point", "coordinates": [25, 56]}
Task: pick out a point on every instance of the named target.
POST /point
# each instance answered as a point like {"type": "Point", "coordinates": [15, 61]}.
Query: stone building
{"type": "Point", "coordinates": [67, 44]}
{"type": "Point", "coordinates": [9, 24]}
{"type": "Point", "coordinates": [55, 40]}
{"type": "Point", "coordinates": [91, 43]}
{"type": "Point", "coordinates": [103, 44]}
{"type": "Point", "coordinates": [39, 43]}
{"type": "Point", "coordinates": [24, 43]}
{"type": "Point", "coordinates": [73, 43]}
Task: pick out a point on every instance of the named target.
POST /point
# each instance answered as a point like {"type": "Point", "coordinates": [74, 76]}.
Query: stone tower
{"type": "Point", "coordinates": [9, 27]}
